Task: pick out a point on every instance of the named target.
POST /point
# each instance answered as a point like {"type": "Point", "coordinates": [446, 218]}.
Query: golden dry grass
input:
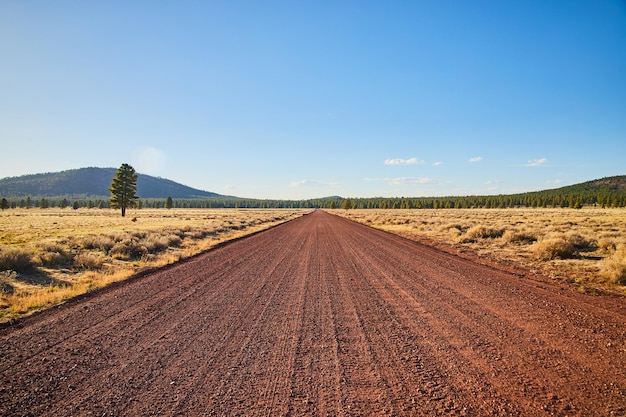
{"type": "Point", "coordinates": [50, 255]}
{"type": "Point", "coordinates": [586, 246]}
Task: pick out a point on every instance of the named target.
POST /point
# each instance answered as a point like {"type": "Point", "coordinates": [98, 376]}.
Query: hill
{"type": "Point", "coordinates": [92, 182]}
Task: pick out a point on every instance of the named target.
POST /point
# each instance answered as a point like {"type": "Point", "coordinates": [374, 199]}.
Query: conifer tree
{"type": "Point", "coordinates": [123, 189]}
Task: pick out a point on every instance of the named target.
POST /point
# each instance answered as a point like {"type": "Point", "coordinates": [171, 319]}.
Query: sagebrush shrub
{"type": "Point", "coordinates": [6, 287]}
{"type": "Point", "coordinates": [155, 243]}
{"type": "Point", "coordinates": [613, 268]}
{"type": "Point", "coordinates": [88, 260]}
{"type": "Point", "coordinates": [554, 248]}
{"type": "Point", "coordinates": [581, 243]}
{"type": "Point", "coordinates": [158, 243]}
{"type": "Point", "coordinates": [51, 247]}
{"type": "Point", "coordinates": [174, 240]}
{"type": "Point", "coordinates": [129, 248]}
{"type": "Point", "coordinates": [607, 244]}
{"type": "Point", "coordinates": [99, 242]}
{"type": "Point", "coordinates": [518, 237]}
{"type": "Point", "coordinates": [52, 258]}
{"type": "Point", "coordinates": [15, 259]}
{"type": "Point", "coordinates": [481, 232]}
{"type": "Point", "coordinates": [454, 233]}
{"type": "Point", "coordinates": [52, 254]}
{"type": "Point", "coordinates": [563, 246]}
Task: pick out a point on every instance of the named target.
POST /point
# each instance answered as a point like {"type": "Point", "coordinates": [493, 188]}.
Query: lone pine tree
{"type": "Point", "coordinates": [123, 188]}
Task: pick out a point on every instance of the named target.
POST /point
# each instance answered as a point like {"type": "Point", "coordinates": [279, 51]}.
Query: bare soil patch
{"type": "Point", "coordinates": [321, 316]}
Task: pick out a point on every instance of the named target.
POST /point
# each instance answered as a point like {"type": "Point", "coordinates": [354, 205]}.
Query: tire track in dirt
{"type": "Point", "coordinates": [237, 309]}
{"type": "Point", "coordinates": [321, 316]}
{"type": "Point", "coordinates": [98, 319]}
{"type": "Point", "coordinates": [314, 379]}
{"type": "Point", "coordinates": [491, 342]}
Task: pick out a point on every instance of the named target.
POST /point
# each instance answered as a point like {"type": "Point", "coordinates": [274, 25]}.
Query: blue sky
{"type": "Point", "coordinates": [302, 99]}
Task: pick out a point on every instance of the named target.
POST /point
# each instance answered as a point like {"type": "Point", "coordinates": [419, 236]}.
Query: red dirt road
{"type": "Point", "coordinates": [321, 317]}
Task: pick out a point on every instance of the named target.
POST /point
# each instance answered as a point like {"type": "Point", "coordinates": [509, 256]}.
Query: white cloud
{"type": "Point", "coordinates": [400, 161]}
{"type": "Point", "coordinates": [410, 181]}
{"type": "Point", "coordinates": [493, 182]}
{"type": "Point", "coordinates": [313, 183]}
{"type": "Point", "coordinates": [537, 162]}
{"type": "Point", "coordinates": [476, 159]}
{"type": "Point", "coordinates": [438, 164]}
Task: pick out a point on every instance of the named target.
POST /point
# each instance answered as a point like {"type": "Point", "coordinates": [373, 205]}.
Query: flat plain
{"type": "Point", "coordinates": [321, 316]}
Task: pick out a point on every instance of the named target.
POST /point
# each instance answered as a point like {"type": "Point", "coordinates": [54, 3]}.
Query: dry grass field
{"type": "Point", "coordinates": [50, 255]}
{"type": "Point", "coordinates": [586, 247]}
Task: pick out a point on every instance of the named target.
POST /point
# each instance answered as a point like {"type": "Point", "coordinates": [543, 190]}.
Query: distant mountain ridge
{"type": "Point", "coordinates": [92, 182]}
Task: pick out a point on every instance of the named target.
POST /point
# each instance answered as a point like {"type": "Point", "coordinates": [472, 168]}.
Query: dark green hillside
{"type": "Point", "coordinates": [608, 184]}
{"type": "Point", "coordinates": [92, 182]}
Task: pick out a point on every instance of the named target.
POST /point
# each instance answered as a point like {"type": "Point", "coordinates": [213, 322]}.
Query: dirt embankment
{"type": "Point", "coordinates": [321, 316]}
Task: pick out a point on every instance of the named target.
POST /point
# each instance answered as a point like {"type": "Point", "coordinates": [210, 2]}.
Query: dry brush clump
{"type": "Point", "coordinates": [128, 249]}
{"type": "Point", "coordinates": [481, 232]}
{"type": "Point", "coordinates": [53, 254]}
{"type": "Point", "coordinates": [102, 243]}
{"type": "Point", "coordinates": [562, 246]}
{"type": "Point", "coordinates": [6, 280]}
{"type": "Point", "coordinates": [518, 237]}
{"type": "Point", "coordinates": [89, 260]}
{"type": "Point", "coordinates": [15, 259]}
{"type": "Point", "coordinates": [613, 268]}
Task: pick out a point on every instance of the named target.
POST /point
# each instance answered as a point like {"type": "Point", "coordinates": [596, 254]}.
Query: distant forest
{"type": "Point", "coordinates": [605, 193]}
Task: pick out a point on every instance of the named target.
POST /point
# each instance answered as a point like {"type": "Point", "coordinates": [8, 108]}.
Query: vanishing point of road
{"type": "Point", "coordinates": [321, 316]}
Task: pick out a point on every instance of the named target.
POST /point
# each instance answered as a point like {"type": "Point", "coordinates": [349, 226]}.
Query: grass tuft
{"type": "Point", "coordinates": [554, 248]}
{"type": "Point", "coordinates": [562, 246]}
{"type": "Point", "coordinates": [481, 232]}
{"type": "Point", "coordinates": [613, 268]}
{"type": "Point", "coordinates": [519, 237]}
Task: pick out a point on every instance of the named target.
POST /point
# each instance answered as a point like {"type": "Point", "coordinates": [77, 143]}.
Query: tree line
{"type": "Point", "coordinates": [535, 200]}
{"type": "Point", "coordinates": [606, 193]}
